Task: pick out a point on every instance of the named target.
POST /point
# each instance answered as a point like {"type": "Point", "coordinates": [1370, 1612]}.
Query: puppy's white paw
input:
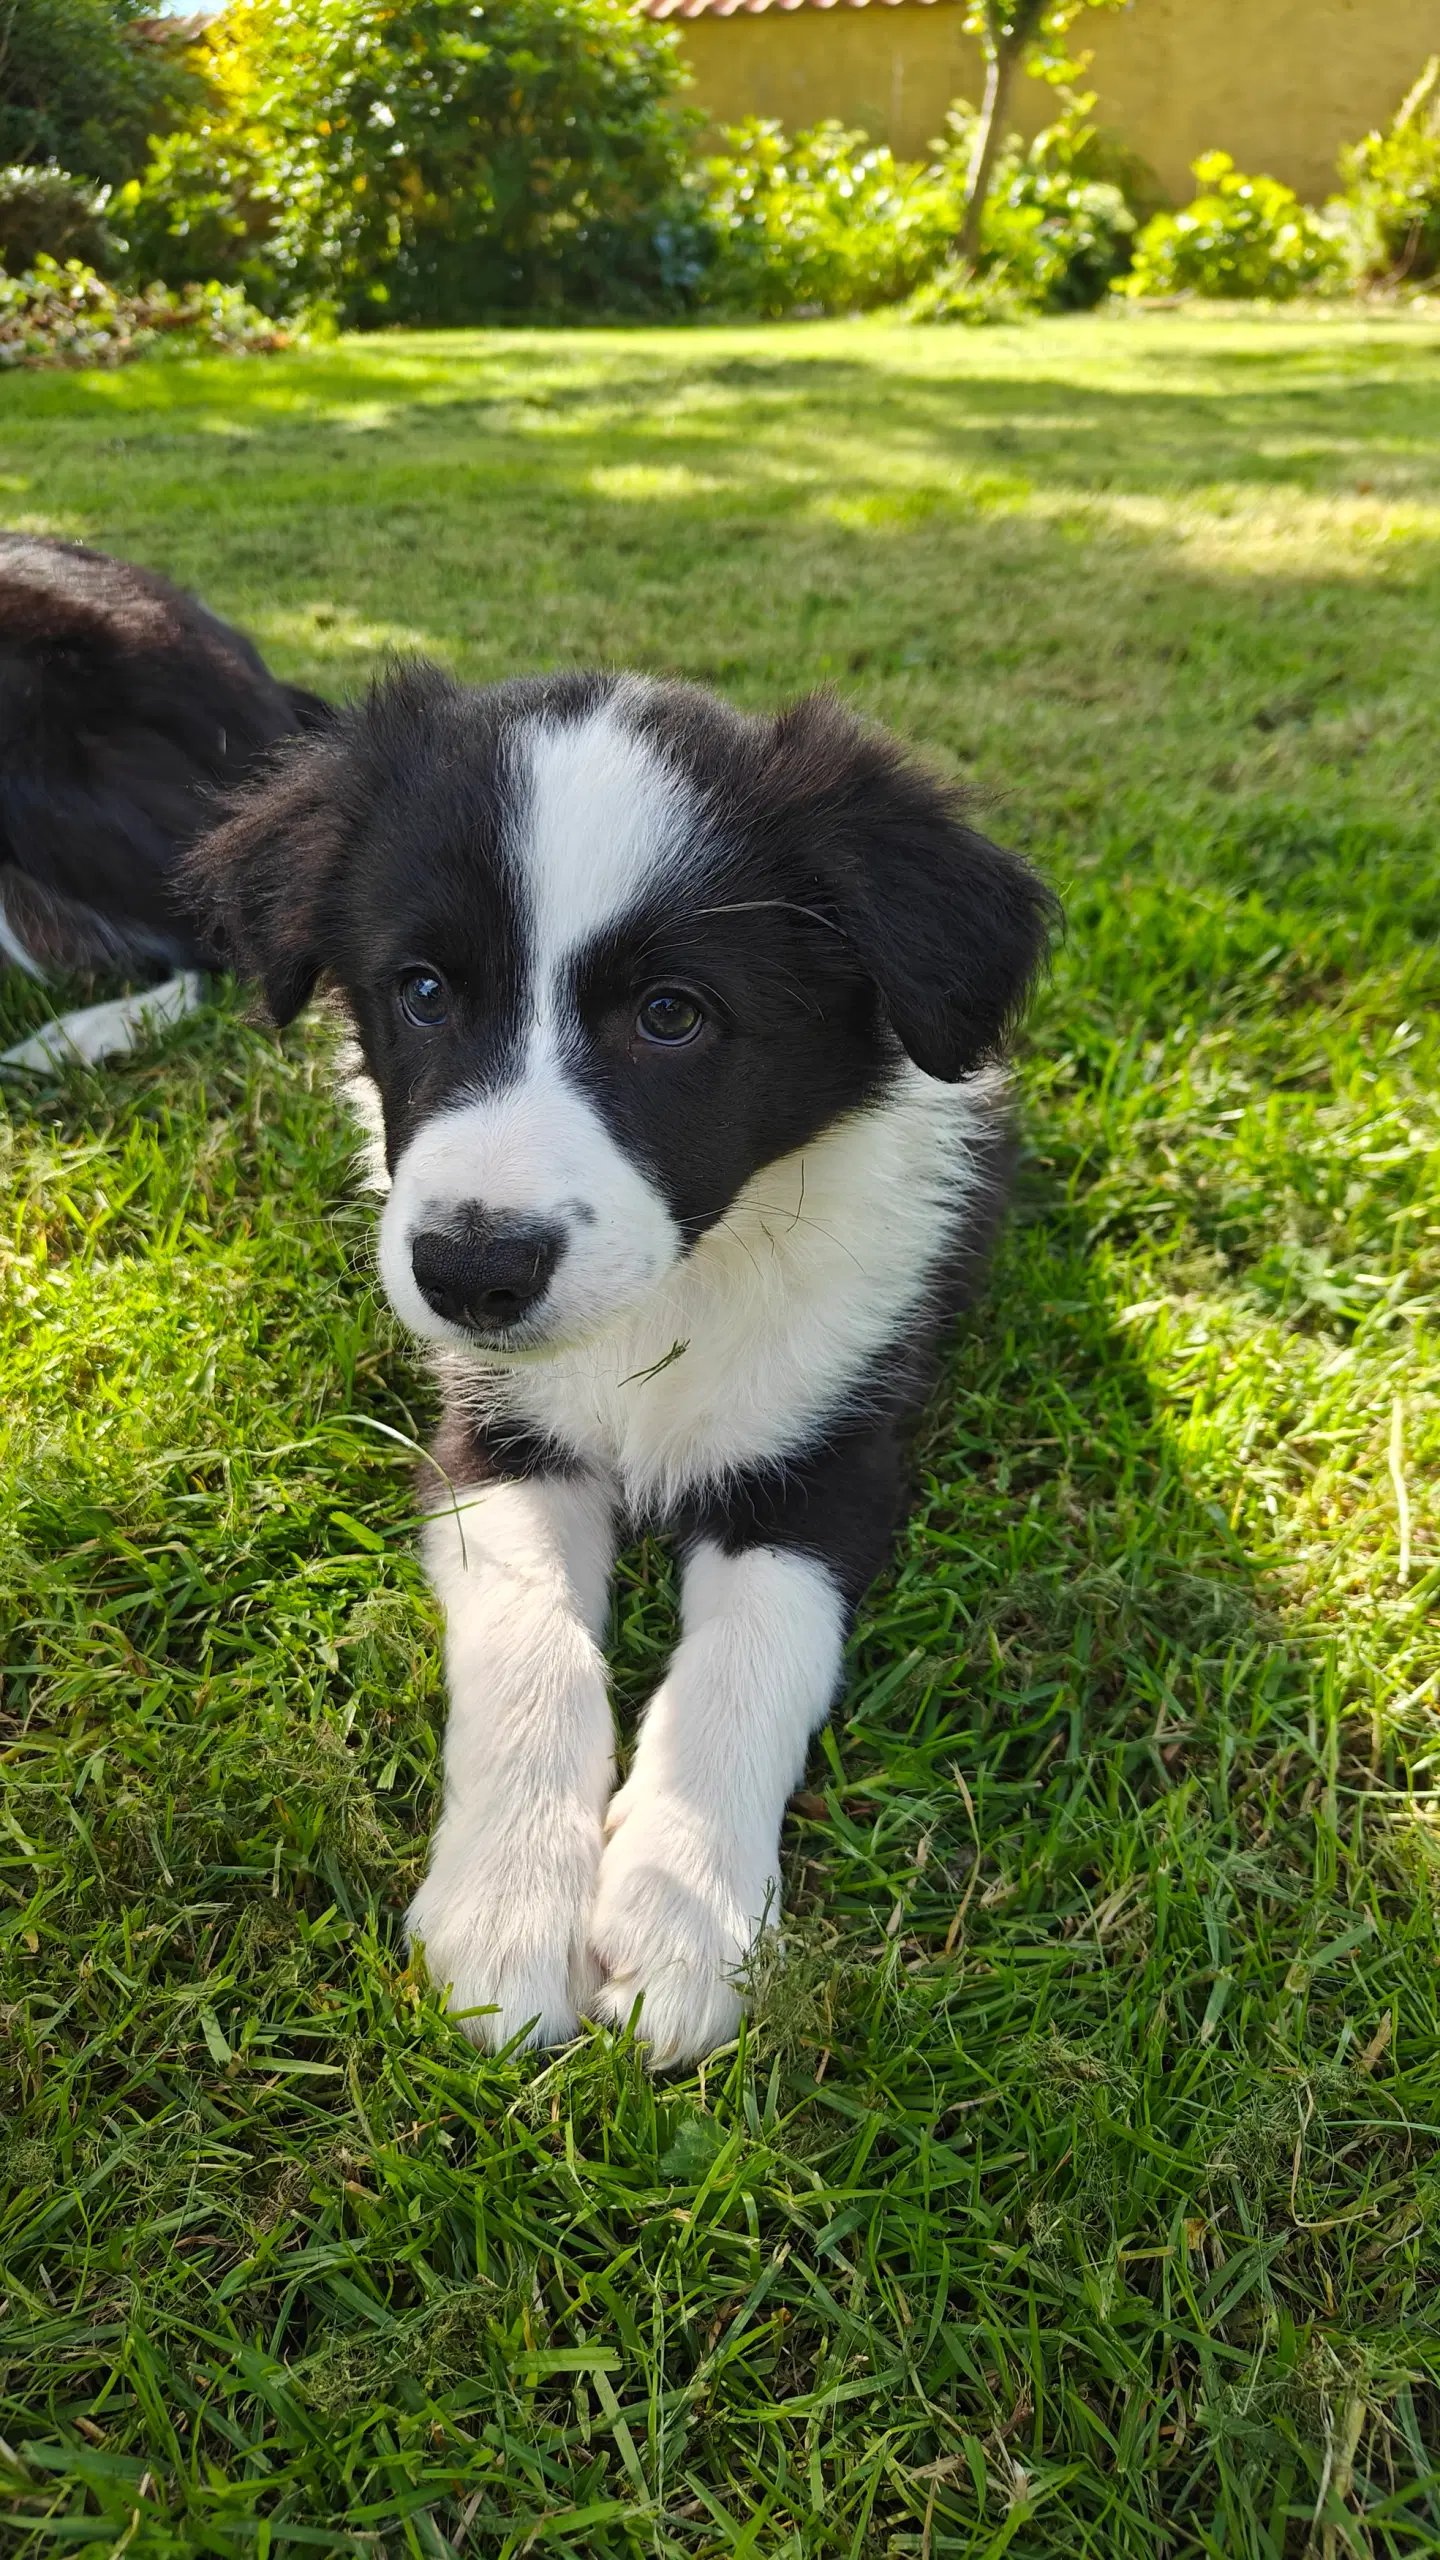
{"type": "Point", "coordinates": [618, 1808]}
{"type": "Point", "coordinates": [506, 1934]}
{"type": "Point", "coordinates": [675, 1917]}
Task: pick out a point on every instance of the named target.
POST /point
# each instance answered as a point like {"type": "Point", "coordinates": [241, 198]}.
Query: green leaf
{"type": "Point", "coordinates": [214, 2037]}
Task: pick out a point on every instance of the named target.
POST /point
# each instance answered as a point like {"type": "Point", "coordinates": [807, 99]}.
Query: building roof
{"type": "Point", "coordinates": [756, 8]}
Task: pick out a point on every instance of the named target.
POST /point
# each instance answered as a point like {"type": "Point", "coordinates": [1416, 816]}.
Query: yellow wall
{"type": "Point", "coordinates": [1279, 84]}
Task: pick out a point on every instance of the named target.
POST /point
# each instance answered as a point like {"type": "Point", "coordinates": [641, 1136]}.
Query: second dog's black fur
{"type": "Point", "coordinates": [124, 705]}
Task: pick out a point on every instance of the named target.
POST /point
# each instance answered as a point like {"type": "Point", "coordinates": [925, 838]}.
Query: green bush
{"type": "Point", "coordinates": [67, 315]}
{"type": "Point", "coordinates": [426, 161]}
{"type": "Point", "coordinates": [1392, 188]}
{"type": "Point", "coordinates": [1046, 245]}
{"type": "Point", "coordinates": [829, 221]}
{"type": "Point", "coordinates": [1242, 237]}
{"type": "Point", "coordinates": [47, 213]}
{"type": "Point", "coordinates": [85, 83]}
{"type": "Point", "coordinates": [956, 292]}
{"type": "Point", "coordinates": [1057, 229]}
{"type": "Point", "coordinates": [437, 161]}
{"type": "Point", "coordinates": [1059, 240]}
{"type": "Point", "coordinates": [822, 219]}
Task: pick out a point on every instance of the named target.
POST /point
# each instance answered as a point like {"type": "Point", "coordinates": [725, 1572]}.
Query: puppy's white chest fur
{"type": "Point", "coordinates": [750, 1343]}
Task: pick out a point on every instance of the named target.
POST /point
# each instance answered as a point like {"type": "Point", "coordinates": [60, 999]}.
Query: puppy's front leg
{"type": "Point", "coordinates": [502, 1914]}
{"type": "Point", "coordinates": [691, 1870]}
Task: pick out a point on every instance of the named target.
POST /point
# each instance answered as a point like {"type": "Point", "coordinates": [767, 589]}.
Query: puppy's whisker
{"type": "Point", "coordinates": [733, 1232]}
{"type": "Point", "coordinates": [772, 1209]}
{"type": "Point", "coordinates": [785, 906]}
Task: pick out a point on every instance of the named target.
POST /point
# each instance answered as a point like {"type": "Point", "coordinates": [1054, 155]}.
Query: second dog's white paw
{"type": "Point", "coordinates": [675, 1916]}
{"type": "Point", "coordinates": [505, 1933]}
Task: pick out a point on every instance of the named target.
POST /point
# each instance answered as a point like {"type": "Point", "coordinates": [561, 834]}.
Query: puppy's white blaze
{"type": "Point", "coordinates": [605, 820]}
{"type": "Point", "coordinates": [819, 1265]}
{"type": "Point", "coordinates": [537, 1148]}
{"type": "Point", "coordinates": [522, 1571]}
{"type": "Point", "coordinates": [602, 819]}
{"type": "Point", "coordinates": [690, 1873]}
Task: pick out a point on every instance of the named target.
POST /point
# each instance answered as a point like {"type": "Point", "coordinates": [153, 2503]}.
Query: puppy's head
{"type": "Point", "coordinates": [610, 948]}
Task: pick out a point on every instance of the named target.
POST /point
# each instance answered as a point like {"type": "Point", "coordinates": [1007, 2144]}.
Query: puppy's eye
{"type": "Point", "coordinates": [669, 1017]}
{"type": "Point", "coordinates": [423, 998]}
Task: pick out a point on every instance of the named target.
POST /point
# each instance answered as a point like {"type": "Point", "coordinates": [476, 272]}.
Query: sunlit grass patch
{"type": "Point", "coordinates": [1072, 2192]}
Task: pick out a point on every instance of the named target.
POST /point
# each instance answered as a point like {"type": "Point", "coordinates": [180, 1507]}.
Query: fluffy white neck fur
{"type": "Point", "coordinates": [745, 1346]}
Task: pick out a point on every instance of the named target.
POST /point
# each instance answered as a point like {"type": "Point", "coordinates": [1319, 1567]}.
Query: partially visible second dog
{"type": "Point", "coordinates": [124, 706]}
{"type": "Point", "coordinates": [681, 1033]}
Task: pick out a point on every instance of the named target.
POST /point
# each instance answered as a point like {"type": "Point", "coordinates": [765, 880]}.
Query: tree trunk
{"type": "Point", "coordinates": [999, 76]}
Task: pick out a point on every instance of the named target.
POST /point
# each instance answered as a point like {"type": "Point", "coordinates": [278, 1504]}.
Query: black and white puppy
{"type": "Point", "coordinates": [124, 705]}
{"type": "Point", "coordinates": [681, 1031]}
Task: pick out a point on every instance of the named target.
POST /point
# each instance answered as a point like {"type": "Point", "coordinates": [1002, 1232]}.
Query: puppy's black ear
{"type": "Point", "coordinates": [950, 928]}
{"type": "Point", "coordinates": [262, 878]}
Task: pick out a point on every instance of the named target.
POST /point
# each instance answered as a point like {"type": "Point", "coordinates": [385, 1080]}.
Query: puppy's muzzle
{"type": "Point", "coordinates": [487, 1273]}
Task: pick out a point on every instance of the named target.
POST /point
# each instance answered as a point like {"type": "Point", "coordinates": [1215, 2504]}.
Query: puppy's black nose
{"type": "Point", "coordinates": [489, 1273]}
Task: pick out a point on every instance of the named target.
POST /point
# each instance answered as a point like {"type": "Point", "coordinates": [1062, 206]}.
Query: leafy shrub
{"type": "Point", "coordinates": [1052, 245]}
{"type": "Point", "coordinates": [84, 84]}
{"type": "Point", "coordinates": [47, 213]}
{"type": "Point", "coordinates": [1392, 187]}
{"type": "Point", "coordinates": [961, 293]}
{"type": "Point", "coordinates": [67, 315]}
{"type": "Point", "coordinates": [1242, 237]}
{"type": "Point", "coordinates": [1057, 219]}
{"type": "Point", "coordinates": [1059, 241]}
{"type": "Point", "coordinates": [425, 161]}
{"type": "Point", "coordinates": [828, 220]}
{"type": "Point", "coordinates": [435, 161]}
{"type": "Point", "coordinates": [823, 218]}
{"type": "Point", "coordinates": [1057, 227]}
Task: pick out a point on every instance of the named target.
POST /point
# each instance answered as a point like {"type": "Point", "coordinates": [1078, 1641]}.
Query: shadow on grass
{"type": "Point", "coordinates": [1093, 1907]}
{"type": "Point", "coordinates": [1228, 399]}
{"type": "Point", "coordinates": [963, 550]}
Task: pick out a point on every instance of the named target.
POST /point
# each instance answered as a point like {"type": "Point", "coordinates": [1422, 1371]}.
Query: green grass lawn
{"type": "Point", "coordinates": [1074, 2188]}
